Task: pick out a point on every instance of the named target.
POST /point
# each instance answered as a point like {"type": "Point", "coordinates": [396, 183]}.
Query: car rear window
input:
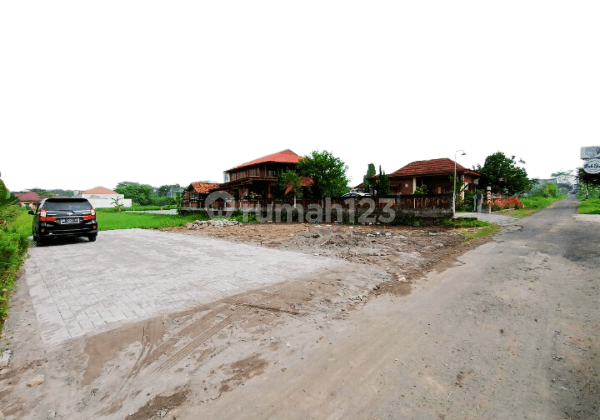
{"type": "Point", "coordinates": [67, 205]}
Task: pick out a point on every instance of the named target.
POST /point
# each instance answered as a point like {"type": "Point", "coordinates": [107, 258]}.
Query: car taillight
{"type": "Point", "coordinates": [89, 217]}
{"type": "Point", "coordinates": [45, 218]}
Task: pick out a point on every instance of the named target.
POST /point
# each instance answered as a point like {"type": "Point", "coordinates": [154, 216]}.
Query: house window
{"type": "Point", "coordinates": [253, 172]}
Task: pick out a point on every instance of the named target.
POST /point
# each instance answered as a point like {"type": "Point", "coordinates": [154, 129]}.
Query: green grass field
{"type": "Point", "coordinates": [112, 221]}
{"type": "Point", "coordinates": [590, 206]}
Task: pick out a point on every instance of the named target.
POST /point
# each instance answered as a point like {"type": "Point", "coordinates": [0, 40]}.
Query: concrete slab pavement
{"type": "Point", "coordinates": [127, 275]}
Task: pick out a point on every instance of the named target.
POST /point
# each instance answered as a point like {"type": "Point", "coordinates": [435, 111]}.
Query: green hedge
{"type": "Point", "coordinates": [15, 230]}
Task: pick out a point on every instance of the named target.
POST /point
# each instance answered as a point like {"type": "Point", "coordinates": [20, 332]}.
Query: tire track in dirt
{"type": "Point", "coordinates": [150, 355]}
{"type": "Point", "coordinates": [199, 331]}
{"type": "Point", "coordinates": [194, 344]}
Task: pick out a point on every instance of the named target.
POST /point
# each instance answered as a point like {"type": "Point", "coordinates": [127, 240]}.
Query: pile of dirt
{"type": "Point", "coordinates": [199, 224]}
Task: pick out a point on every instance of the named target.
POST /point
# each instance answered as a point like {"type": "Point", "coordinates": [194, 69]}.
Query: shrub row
{"type": "Point", "coordinates": [14, 232]}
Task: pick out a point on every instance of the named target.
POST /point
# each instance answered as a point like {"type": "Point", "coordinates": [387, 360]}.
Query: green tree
{"type": "Point", "coordinates": [561, 173]}
{"type": "Point", "coordinates": [382, 184]}
{"type": "Point", "coordinates": [328, 172]}
{"type": "Point", "coordinates": [139, 194]}
{"type": "Point", "coordinates": [6, 197]}
{"type": "Point", "coordinates": [290, 181]}
{"type": "Point", "coordinates": [503, 175]}
{"type": "Point", "coordinates": [370, 172]}
{"type": "Point", "coordinates": [164, 190]}
{"type": "Point", "coordinates": [588, 184]}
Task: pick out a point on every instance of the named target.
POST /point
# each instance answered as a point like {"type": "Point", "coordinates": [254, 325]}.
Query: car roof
{"type": "Point", "coordinates": [66, 199]}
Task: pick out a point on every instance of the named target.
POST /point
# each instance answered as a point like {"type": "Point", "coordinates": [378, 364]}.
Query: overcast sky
{"type": "Point", "coordinates": [94, 93]}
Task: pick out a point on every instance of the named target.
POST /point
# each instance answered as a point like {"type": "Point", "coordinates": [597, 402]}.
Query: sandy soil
{"type": "Point", "coordinates": [148, 369]}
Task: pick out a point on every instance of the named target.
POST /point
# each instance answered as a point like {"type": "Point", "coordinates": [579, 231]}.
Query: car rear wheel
{"type": "Point", "coordinates": [92, 238]}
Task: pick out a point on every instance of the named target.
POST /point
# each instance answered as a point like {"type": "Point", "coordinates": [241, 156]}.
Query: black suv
{"type": "Point", "coordinates": [64, 217]}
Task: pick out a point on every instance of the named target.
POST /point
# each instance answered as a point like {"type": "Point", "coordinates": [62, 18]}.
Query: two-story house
{"type": "Point", "coordinates": [258, 177]}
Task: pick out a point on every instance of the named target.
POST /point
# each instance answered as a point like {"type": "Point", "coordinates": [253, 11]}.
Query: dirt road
{"type": "Point", "coordinates": [509, 331]}
{"type": "Point", "coordinates": [512, 333]}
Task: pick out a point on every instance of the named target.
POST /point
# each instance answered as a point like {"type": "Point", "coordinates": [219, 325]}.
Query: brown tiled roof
{"type": "Point", "coordinates": [202, 188]}
{"type": "Point", "coordinates": [430, 167]}
{"type": "Point", "coordinates": [30, 196]}
{"type": "Point", "coordinates": [99, 190]}
{"type": "Point", "coordinates": [287, 156]}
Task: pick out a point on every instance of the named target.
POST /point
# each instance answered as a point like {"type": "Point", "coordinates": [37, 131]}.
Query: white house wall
{"type": "Point", "coordinates": [108, 202]}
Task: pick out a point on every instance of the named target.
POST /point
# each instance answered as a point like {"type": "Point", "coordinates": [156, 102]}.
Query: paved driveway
{"type": "Point", "coordinates": [126, 275]}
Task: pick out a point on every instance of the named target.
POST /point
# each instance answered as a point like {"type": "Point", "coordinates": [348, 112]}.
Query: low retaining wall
{"type": "Point", "coordinates": [99, 203]}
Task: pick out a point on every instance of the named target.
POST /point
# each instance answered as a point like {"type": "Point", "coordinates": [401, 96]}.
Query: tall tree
{"type": "Point", "coordinates": [370, 172]}
{"type": "Point", "coordinates": [503, 175]}
{"type": "Point", "coordinates": [327, 171]}
{"type": "Point", "coordinates": [382, 185]}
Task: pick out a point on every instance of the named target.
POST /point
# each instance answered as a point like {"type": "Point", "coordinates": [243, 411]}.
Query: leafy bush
{"type": "Point", "coordinates": [464, 222]}
{"type": "Point", "coordinates": [468, 203]}
{"type": "Point", "coordinates": [15, 230]}
{"type": "Point", "coordinates": [422, 190]}
{"type": "Point", "coordinates": [240, 217]}
{"type": "Point", "coordinates": [548, 189]}
{"type": "Point", "coordinates": [587, 191]}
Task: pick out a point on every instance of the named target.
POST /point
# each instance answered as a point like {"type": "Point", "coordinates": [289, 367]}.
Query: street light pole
{"type": "Point", "coordinates": [454, 187]}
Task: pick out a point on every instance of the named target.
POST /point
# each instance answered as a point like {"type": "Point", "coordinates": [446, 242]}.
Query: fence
{"type": "Point", "coordinates": [438, 205]}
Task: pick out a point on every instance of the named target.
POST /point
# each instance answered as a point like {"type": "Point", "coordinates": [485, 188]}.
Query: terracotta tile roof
{"type": "Point", "coordinates": [287, 156]}
{"type": "Point", "coordinates": [99, 190]}
{"type": "Point", "coordinates": [30, 196]}
{"type": "Point", "coordinates": [202, 188]}
{"type": "Point", "coordinates": [430, 167]}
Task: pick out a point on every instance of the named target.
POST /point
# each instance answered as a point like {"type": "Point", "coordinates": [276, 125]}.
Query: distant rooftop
{"type": "Point", "coordinates": [287, 156]}
{"type": "Point", "coordinates": [98, 190]}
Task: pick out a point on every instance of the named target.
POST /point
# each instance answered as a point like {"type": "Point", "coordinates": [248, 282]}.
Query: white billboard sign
{"type": "Point", "coordinates": [592, 166]}
{"type": "Point", "coordinates": [591, 152]}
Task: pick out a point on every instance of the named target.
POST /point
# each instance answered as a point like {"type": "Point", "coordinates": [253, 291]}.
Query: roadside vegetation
{"type": "Point", "coordinates": [590, 206]}
{"type": "Point", "coordinates": [588, 193]}
{"type": "Point", "coordinates": [473, 228]}
{"type": "Point", "coordinates": [15, 229]}
{"type": "Point", "coordinates": [538, 197]}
